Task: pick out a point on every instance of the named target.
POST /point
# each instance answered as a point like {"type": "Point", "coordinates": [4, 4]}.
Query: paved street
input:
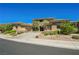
{"type": "Point", "coordinates": [15, 48]}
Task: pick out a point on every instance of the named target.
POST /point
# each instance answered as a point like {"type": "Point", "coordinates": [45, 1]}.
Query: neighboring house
{"type": "Point", "coordinates": [76, 25]}
{"type": "Point", "coordinates": [45, 24]}
{"type": "Point", "coordinates": [21, 27]}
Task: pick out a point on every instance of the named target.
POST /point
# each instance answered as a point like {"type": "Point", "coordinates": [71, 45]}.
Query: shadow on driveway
{"type": "Point", "coordinates": [16, 48]}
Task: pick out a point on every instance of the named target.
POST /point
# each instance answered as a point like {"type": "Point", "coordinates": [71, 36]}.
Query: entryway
{"type": "Point", "coordinates": [41, 28]}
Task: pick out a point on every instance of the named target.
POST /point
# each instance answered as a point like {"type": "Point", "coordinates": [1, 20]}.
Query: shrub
{"type": "Point", "coordinates": [50, 32]}
{"type": "Point", "coordinates": [11, 32]}
{"type": "Point", "coordinates": [68, 28]}
{"type": "Point", "coordinates": [53, 32]}
{"type": "Point", "coordinates": [45, 33]}
{"type": "Point", "coordinates": [19, 32]}
{"type": "Point", "coordinates": [75, 36]}
{"type": "Point", "coordinates": [6, 27]}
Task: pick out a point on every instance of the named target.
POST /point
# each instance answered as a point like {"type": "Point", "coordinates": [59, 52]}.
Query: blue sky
{"type": "Point", "coordinates": [25, 12]}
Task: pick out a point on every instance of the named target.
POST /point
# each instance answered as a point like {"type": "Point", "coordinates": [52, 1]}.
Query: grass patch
{"type": "Point", "coordinates": [11, 32]}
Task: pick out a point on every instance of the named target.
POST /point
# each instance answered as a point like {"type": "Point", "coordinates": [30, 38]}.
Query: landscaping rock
{"type": "Point", "coordinates": [75, 36]}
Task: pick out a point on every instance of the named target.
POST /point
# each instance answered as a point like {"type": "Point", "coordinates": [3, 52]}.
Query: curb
{"type": "Point", "coordinates": [54, 43]}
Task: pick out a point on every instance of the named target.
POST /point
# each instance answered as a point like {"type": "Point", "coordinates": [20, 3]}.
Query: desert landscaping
{"type": "Point", "coordinates": [48, 28]}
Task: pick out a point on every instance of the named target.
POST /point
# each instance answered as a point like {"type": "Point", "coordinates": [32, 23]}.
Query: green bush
{"type": "Point", "coordinates": [45, 33]}
{"type": "Point", "coordinates": [11, 32]}
{"type": "Point", "coordinates": [50, 32]}
{"type": "Point", "coordinates": [68, 28]}
{"type": "Point", "coordinates": [6, 27]}
{"type": "Point", "coordinates": [53, 32]}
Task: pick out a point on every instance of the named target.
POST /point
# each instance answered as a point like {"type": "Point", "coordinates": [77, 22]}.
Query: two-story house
{"type": "Point", "coordinates": [45, 24]}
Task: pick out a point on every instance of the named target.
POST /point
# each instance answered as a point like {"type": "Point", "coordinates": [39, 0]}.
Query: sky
{"type": "Point", "coordinates": [26, 12]}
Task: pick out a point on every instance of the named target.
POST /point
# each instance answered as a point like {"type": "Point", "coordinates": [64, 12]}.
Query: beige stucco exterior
{"type": "Point", "coordinates": [19, 29]}
{"type": "Point", "coordinates": [54, 28]}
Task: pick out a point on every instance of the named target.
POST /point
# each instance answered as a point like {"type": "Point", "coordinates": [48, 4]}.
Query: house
{"type": "Point", "coordinates": [46, 24]}
{"type": "Point", "coordinates": [21, 27]}
{"type": "Point", "coordinates": [40, 24]}
{"type": "Point", "coordinates": [18, 26]}
{"type": "Point", "coordinates": [76, 24]}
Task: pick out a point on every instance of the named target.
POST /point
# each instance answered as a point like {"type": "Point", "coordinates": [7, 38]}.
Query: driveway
{"type": "Point", "coordinates": [27, 35]}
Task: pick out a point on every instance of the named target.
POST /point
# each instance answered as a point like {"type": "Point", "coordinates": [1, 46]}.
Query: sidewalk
{"type": "Point", "coordinates": [51, 43]}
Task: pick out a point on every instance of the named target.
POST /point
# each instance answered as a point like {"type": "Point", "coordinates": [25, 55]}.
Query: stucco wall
{"type": "Point", "coordinates": [19, 29]}
{"type": "Point", "coordinates": [54, 28]}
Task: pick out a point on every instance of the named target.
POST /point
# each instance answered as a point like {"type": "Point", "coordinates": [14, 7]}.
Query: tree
{"type": "Point", "coordinates": [68, 28]}
{"type": "Point", "coordinates": [6, 27]}
{"type": "Point", "coordinates": [36, 25]}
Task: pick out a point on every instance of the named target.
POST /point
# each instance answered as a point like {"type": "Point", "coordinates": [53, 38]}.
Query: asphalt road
{"type": "Point", "coordinates": [17, 48]}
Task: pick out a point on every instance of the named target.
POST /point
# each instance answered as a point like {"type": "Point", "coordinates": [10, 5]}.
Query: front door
{"type": "Point", "coordinates": [41, 28]}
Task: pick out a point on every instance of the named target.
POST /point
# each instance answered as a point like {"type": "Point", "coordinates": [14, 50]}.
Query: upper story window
{"type": "Point", "coordinates": [41, 20]}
